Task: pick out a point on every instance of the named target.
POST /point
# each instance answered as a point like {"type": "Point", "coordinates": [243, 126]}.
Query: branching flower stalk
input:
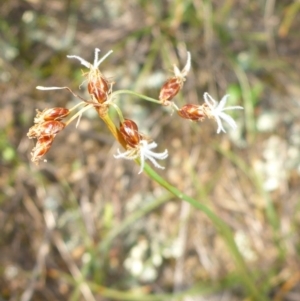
{"type": "Point", "coordinates": [138, 147]}
{"type": "Point", "coordinates": [49, 122]}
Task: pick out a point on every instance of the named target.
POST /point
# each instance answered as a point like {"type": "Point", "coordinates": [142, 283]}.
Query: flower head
{"type": "Point", "coordinates": [138, 147]}
{"type": "Point", "coordinates": [130, 133]}
{"type": "Point", "coordinates": [98, 86]}
{"type": "Point", "coordinates": [193, 112]}
{"type": "Point", "coordinates": [174, 84]}
{"type": "Point", "coordinates": [46, 128]}
{"type": "Point", "coordinates": [51, 114]}
{"type": "Point", "coordinates": [216, 110]}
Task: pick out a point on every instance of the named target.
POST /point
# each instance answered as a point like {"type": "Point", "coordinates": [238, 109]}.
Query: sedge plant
{"type": "Point", "coordinates": [137, 146]}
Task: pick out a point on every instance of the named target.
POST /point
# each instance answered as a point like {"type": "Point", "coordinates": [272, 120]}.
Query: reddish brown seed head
{"type": "Point", "coordinates": [51, 114]}
{"type": "Point", "coordinates": [130, 132]}
{"type": "Point", "coordinates": [170, 89]}
{"type": "Point", "coordinates": [42, 147]}
{"type": "Point", "coordinates": [98, 87]}
{"type": "Point", "coordinates": [174, 84]}
{"type": "Point", "coordinates": [192, 112]}
{"type": "Point", "coordinates": [46, 128]}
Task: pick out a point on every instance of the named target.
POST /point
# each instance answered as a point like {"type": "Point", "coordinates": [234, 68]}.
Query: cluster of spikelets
{"type": "Point", "coordinates": [48, 123]}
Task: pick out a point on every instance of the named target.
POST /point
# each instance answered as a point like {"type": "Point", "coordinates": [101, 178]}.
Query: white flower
{"type": "Point", "coordinates": [96, 63]}
{"type": "Point", "coordinates": [143, 152]}
{"type": "Point", "coordinates": [216, 111]}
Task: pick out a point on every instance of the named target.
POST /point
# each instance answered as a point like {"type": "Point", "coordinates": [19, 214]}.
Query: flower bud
{"type": "Point", "coordinates": [51, 114]}
{"type": "Point", "coordinates": [42, 147]}
{"type": "Point", "coordinates": [99, 88]}
{"type": "Point", "coordinates": [192, 112]}
{"type": "Point", "coordinates": [130, 132]}
{"type": "Point", "coordinates": [47, 128]}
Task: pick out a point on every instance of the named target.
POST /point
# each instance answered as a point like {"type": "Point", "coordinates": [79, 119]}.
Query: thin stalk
{"type": "Point", "coordinates": [219, 224]}
{"type": "Point", "coordinates": [137, 95]}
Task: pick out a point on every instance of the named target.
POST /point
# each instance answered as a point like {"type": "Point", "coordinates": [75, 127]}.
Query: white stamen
{"type": "Point", "coordinates": [97, 50]}
{"type": "Point", "coordinates": [82, 61]}
{"type": "Point", "coordinates": [96, 63]}
{"type": "Point", "coordinates": [102, 59]}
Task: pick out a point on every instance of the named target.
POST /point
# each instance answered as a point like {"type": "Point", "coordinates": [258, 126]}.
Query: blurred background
{"type": "Point", "coordinates": [85, 226]}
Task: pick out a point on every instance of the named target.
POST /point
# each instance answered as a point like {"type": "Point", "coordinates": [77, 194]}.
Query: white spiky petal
{"type": "Point", "coordinates": [216, 111]}
{"type": "Point", "coordinates": [143, 152]}
{"type": "Point", "coordinates": [97, 61]}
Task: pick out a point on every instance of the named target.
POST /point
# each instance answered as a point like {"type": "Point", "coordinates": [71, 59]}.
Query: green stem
{"type": "Point", "coordinates": [137, 95]}
{"type": "Point", "coordinates": [221, 226]}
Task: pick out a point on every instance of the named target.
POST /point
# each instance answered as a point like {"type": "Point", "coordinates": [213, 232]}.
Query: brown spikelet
{"type": "Point", "coordinates": [170, 89]}
{"type": "Point", "coordinates": [51, 114]}
{"type": "Point", "coordinates": [192, 112]}
{"type": "Point", "coordinates": [174, 84]}
{"type": "Point", "coordinates": [129, 131]}
{"type": "Point", "coordinates": [46, 128]}
{"type": "Point", "coordinates": [42, 147]}
{"type": "Point", "coordinates": [99, 89]}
